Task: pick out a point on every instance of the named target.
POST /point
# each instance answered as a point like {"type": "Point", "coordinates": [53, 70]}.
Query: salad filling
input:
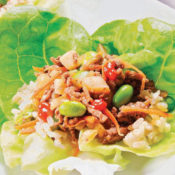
{"type": "Point", "coordinates": [93, 91]}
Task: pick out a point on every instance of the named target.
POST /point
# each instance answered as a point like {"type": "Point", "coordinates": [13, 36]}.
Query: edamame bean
{"type": "Point", "coordinates": [123, 95]}
{"type": "Point", "coordinates": [171, 103]}
{"type": "Point", "coordinates": [72, 109]}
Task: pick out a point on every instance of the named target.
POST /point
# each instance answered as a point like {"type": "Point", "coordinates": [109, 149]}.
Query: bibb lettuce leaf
{"type": "Point", "coordinates": [32, 152]}
{"type": "Point", "coordinates": [29, 37]}
{"type": "Point", "coordinates": [148, 43]}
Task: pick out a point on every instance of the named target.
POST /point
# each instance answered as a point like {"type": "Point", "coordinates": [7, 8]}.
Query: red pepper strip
{"type": "Point", "coordinates": [99, 104]}
{"type": "Point", "coordinates": [113, 119]}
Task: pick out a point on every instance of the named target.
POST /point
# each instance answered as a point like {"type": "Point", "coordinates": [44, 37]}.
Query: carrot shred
{"type": "Point", "coordinates": [39, 92]}
{"type": "Point", "coordinates": [113, 119]}
{"type": "Point", "coordinates": [26, 125]}
{"type": "Point", "coordinates": [76, 149]}
{"type": "Point", "coordinates": [26, 131]}
{"type": "Point", "coordinates": [146, 111]}
{"type": "Point", "coordinates": [127, 65]}
{"type": "Point", "coordinates": [38, 69]}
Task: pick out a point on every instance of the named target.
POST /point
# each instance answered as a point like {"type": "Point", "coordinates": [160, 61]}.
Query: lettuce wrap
{"type": "Point", "coordinates": [30, 36]}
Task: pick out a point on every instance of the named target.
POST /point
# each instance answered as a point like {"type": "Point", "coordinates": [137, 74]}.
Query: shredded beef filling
{"type": "Point", "coordinates": [93, 117]}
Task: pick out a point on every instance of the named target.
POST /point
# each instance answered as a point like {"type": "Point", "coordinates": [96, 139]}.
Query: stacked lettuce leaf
{"type": "Point", "coordinates": [29, 37]}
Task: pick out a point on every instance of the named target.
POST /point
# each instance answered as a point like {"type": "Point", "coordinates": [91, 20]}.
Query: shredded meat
{"type": "Point", "coordinates": [119, 64]}
{"type": "Point", "coordinates": [67, 79]}
{"type": "Point", "coordinates": [77, 123]}
{"type": "Point", "coordinates": [150, 86]}
{"type": "Point", "coordinates": [49, 69]}
{"type": "Point", "coordinates": [134, 79]}
{"type": "Point", "coordinates": [58, 116]}
{"type": "Point", "coordinates": [103, 118]}
{"type": "Point", "coordinates": [84, 100]}
{"type": "Point", "coordinates": [47, 95]}
{"type": "Point", "coordinates": [107, 97]}
{"type": "Point", "coordinates": [87, 95]}
{"type": "Point", "coordinates": [114, 111]}
{"type": "Point", "coordinates": [138, 104]}
{"type": "Point", "coordinates": [73, 121]}
{"type": "Point", "coordinates": [127, 118]}
{"type": "Point", "coordinates": [73, 93]}
{"type": "Point", "coordinates": [65, 76]}
{"type": "Point", "coordinates": [94, 67]}
{"type": "Point", "coordinates": [111, 135]}
{"type": "Point", "coordinates": [96, 119]}
{"type": "Point", "coordinates": [120, 76]}
{"type": "Point", "coordinates": [73, 136]}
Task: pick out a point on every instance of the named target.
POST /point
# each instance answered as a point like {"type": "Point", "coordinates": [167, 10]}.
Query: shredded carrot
{"type": "Point", "coordinates": [27, 125]}
{"type": "Point", "coordinates": [127, 65]}
{"type": "Point", "coordinates": [76, 149]}
{"type": "Point", "coordinates": [39, 92]}
{"type": "Point", "coordinates": [38, 69]}
{"type": "Point", "coordinates": [27, 131]}
{"type": "Point", "coordinates": [146, 111]}
{"type": "Point", "coordinates": [113, 119]}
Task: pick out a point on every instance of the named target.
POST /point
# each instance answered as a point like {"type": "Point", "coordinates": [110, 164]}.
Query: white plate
{"type": "Point", "coordinates": [94, 13]}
